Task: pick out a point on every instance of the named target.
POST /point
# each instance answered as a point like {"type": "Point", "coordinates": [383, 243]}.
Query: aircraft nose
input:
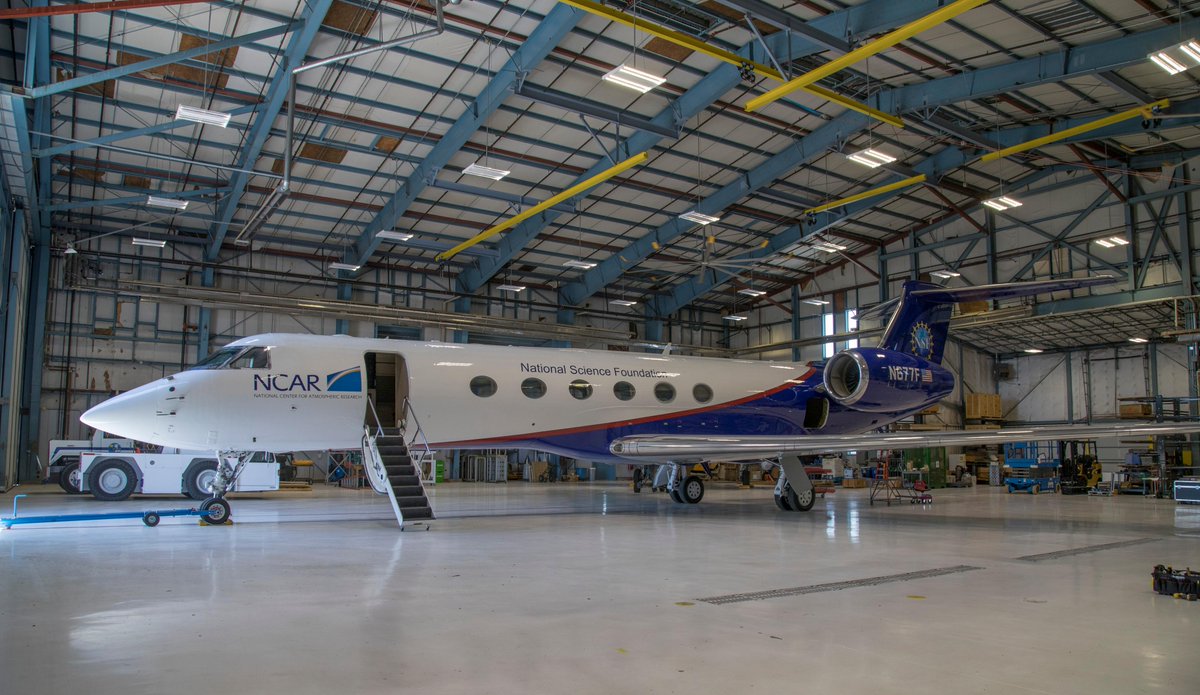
{"type": "Point", "coordinates": [129, 415]}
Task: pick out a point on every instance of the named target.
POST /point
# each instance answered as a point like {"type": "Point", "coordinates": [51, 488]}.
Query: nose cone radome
{"type": "Point", "coordinates": [130, 414]}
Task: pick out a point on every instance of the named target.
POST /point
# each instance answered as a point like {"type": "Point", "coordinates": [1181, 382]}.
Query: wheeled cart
{"type": "Point", "coordinates": [213, 510]}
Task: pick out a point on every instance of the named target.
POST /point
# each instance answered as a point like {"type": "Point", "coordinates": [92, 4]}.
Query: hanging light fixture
{"type": "Point", "coordinates": [1002, 203]}
{"type": "Point", "coordinates": [633, 78]}
{"type": "Point", "coordinates": [871, 158]}
{"type": "Point", "coordinates": [204, 116]}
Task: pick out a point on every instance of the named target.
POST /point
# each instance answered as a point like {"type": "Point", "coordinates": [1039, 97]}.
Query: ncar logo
{"type": "Point", "coordinates": [344, 381]}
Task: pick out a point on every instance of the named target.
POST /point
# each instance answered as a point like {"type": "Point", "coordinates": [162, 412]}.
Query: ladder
{"type": "Point", "coordinates": [392, 471]}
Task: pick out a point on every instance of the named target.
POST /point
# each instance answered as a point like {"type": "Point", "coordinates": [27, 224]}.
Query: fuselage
{"type": "Point", "coordinates": [284, 392]}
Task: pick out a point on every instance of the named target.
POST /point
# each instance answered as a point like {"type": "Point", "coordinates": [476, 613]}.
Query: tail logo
{"type": "Point", "coordinates": [922, 340]}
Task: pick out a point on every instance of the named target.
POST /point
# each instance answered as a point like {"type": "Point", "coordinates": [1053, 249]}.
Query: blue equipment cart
{"type": "Point", "coordinates": [1034, 466]}
{"type": "Point", "coordinates": [213, 510]}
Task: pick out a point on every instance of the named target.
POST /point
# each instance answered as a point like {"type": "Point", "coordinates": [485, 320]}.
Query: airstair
{"type": "Point", "coordinates": [393, 470]}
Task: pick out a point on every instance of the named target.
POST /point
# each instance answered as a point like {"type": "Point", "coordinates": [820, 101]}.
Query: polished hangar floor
{"type": "Point", "coordinates": [588, 588]}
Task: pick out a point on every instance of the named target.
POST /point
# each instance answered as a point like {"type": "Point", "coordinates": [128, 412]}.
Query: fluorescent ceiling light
{"type": "Point", "coordinates": [1002, 203]}
{"type": "Point", "coordinates": [156, 243]}
{"type": "Point", "coordinates": [205, 116]}
{"type": "Point", "coordinates": [633, 78]}
{"type": "Point", "coordinates": [1139, 340]}
{"type": "Point", "coordinates": [946, 274]}
{"type": "Point", "coordinates": [1166, 62]}
{"type": "Point", "coordinates": [735, 317]}
{"type": "Point", "coordinates": [622, 302]}
{"type": "Point", "coordinates": [391, 235]}
{"type": "Point", "coordinates": [585, 265]}
{"type": "Point", "coordinates": [161, 202]}
{"type": "Point", "coordinates": [698, 217]}
{"type": "Point", "coordinates": [1105, 243]}
{"type": "Point", "coordinates": [827, 247]}
{"type": "Point", "coordinates": [1118, 240]}
{"type": "Point", "coordinates": [477, 169]}
{"type": "Point", "coordinates": [871, 158]}
{"type": "Point", "coordinates": [1191, 49]}
{"type": "Point", "coordinates": [815, 302]}
{"type": "Point", "coordinates": [310, 306]}
{"type": "Point", "coordinates": [349, 267]}
{"type": "Point", "coordinates": [751, 292]}
{"type": "Point", "coordinates": [1032, 351]}
{"type": "Point", "coordinates": [511, 288]}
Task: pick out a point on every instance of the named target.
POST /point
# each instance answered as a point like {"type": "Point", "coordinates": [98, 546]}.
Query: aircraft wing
{"type": "Point", "coordinates": [684, 448]}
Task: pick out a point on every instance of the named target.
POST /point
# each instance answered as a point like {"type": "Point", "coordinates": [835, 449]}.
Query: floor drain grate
{"type": "Point", "coordinates": [1085, 549]}
{"type": "Point", "coordinates": [835, 586]}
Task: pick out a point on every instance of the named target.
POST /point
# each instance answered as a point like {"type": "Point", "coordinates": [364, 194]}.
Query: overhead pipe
{"type": "Point", "coordinates": [865, 51]}
{"type": "Point", "coordinates": [86, 7]}
{"type": "Point", "coordinates": [1147, 111]}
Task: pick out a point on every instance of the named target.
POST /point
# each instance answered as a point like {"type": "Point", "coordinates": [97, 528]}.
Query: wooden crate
{"type": "Point", "coordinates": [984, 406]}
{"type": "Point", "coordinates": [854, 482]}
{"type": "Point", "coordinates": [965, 308]}
{"type": "Point", "coordinates": [1136, 411]}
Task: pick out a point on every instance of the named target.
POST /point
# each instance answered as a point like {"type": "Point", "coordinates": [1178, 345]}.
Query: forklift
{"type": "Point", "coordinates": [1080, 470]}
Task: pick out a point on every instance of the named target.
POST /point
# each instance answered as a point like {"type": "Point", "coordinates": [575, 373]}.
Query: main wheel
{"type": "Point", "coordinates": [782, 502]}
{"type": "Point", "coordinates": [637, 479]}
{"type": "Point", "coordinates": [198, 479]}
{"type": "Point", "coordinates": [150, 519]}
{"type": "Point", "coordinates": [70, 479]}
{"type": "Point", "coordinates": [674, 493]}
{"type": "Point", "coordinates": [1035, 489]}
{"type": "Point", "coordinates": [218, 511]}
{"type": "Point", "coordinates": [112, 480]}
{"type": "Point", "coordinates": [693, 489]}
{"type": "Point", "coordinates": [801, 501]}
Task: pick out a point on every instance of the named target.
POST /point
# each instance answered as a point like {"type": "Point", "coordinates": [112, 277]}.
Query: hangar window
{"type": "Point", "coordinates": [483, 386]}
{"type": "Point", "coordinates": [254, 358]}
{"type": "Point", "coordinates": [533, 388]}
{"type": "Point", "coordinates": [664, 392]}
{"type": "Point", "coordinates": [580, 389]}
{"type": "Point", "coordinates": [218, 359]}
{"type": "Point", "coordinates": [702, 393]}
{"type": "Point", "coordinates": [624, 391]}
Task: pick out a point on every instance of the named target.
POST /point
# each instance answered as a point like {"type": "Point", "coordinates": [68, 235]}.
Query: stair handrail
{"type": "Point", "coordinates": [376, 471]}
{"type": "Point", "coordinates": [428, 453]}
{"type": "Point", "coordinates": [375, 414]}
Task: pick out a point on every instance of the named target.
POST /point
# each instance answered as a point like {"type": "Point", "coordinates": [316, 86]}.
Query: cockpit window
{"type": "Point", "coordinates": [218, 359]}
{"type": "Point", "coordinates": [254, 358]}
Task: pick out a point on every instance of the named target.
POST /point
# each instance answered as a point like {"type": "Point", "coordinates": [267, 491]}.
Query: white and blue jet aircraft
{"type": "Point", "coordinates": [284, 392]}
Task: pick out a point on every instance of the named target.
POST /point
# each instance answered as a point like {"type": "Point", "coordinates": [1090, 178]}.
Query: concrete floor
{"type": "Point", "coordinates": [591, 589]}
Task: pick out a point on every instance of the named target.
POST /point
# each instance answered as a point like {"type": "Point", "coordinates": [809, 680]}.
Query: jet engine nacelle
{"type": "Point", "coordinates": [875, 380]}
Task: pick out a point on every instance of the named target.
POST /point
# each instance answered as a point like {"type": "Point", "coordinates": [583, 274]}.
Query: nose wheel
{"type": "Point", "coordinates": [218, 511]}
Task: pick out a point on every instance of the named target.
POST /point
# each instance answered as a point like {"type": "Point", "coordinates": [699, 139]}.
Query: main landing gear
{"type": "Point", "coordinates": [794, 497]}
{"type": "Point", "coordinates": [684, 489]}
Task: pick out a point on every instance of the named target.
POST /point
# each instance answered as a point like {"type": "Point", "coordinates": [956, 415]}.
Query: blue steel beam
{"type": "Point", "coordinates": [264, 119]}
{"type": "Point", "coordinates": [130, 200]}
{"type": "Point", "coordinates": [868, 18]}
{"type": "Point", "coordinates": [151, 63]}
{"type": "Point", "coordinates": [109, 139]}
{"type": "Point", "coordinates": [545, 38]}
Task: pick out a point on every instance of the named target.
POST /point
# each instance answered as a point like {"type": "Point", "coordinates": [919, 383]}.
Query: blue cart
{"type": "Point", "coordinates": [213, 510]}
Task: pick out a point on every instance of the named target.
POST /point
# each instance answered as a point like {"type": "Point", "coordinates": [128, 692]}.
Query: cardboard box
{"type": "Point", "coordinates": [984, 406]}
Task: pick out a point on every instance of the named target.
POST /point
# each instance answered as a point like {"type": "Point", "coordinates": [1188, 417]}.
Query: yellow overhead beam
{"type": "Point", "coordinates": [1144, 111]}
{"type": "Point", "coordinates": [865, 51]}
{"type": "Point", "coordinates": [692, 43]}
{"type": "Point", "coordinates": [546, 204]}
{"type": "Point", "coordinates": [910, 181]}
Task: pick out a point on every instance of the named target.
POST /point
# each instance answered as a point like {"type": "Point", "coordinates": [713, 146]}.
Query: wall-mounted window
{"type": "Point", "coordinates": [827, 330]}
{"type": "Point", "coordinates": [851, 326]}
{"type": "Point", "coordinates": [703, 393]}
{"type": "Point", "coordinates": [483, 386]}
{"type": "Point", "coordinates": [664, 392]}
{"type": "Point", "coordinates": [624, 391]}
{"type": "Point", "coordinates": [533, 388]}
{"type": "Point", "coordinates": [580, 389]}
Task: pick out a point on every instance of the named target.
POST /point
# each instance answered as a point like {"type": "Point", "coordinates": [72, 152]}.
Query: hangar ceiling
{"type": "Point", "coordinates": [382, 140]}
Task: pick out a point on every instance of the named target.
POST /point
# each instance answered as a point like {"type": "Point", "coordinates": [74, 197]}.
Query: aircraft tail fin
{"type": "Point", "coordinates": [922, 317]}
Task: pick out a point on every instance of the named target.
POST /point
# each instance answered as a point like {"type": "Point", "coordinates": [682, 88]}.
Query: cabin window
{"type": "Point", "coordinates": [218, 359]}
{"type": "Point", "coordinates": [580, 389]}
{"type": "Point", "coordinates": [533, 388]}
{"type": "Point", "coordinates": [664, 392]}
{"type": "Point", "coordinates": [703, 393]}
{"type": "Point", "coordinates": [624, 391]}
{"type": "Point", "coordinates": [254, 358]}
{"type": "Point", "coordinates": [483, 386]}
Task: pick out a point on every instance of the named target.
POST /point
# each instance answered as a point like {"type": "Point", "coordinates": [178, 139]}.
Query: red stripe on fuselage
{"type": "Point", "coordinates": [622, 423]}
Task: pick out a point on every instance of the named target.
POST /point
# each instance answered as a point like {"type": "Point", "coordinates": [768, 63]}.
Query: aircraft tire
{"type": "Point", "coordinates": [68, 479]}
{"type": "Point", "coordinates": [803, 501]}
{"type": "Point", "coordinates": [692, 490]}
{"type": "Point", "coordinates": [112, 480]}
{"type": "Point", "coordinates": [150, 519]}
{"type": "Point", "coordinates": [197, 479]}
{"type": "Point", "coordinates": [218, 509]}
{"type": "Point", "coordinates": [674, 493]}
{"type": "Point", "coordinates": [782, 503]}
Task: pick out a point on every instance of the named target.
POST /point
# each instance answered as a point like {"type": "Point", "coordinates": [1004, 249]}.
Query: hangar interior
{"type": "Point", "coordinates": [727, 178]}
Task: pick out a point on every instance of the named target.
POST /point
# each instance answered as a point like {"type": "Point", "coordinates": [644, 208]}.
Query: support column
{"type": "Point", "coordinates": [1070, 390]}
{"type": "Point", "coordinates": [796, 317]}
{"type": "Point", "coordinates": [564, 317]}
{"type": "Point", "coordinates": [462, 305]}
{"type": "Point", "coordinates": [204, 324]}
{"type": "Point", "coordinates": [344, 293]}
{"type": "Point", "coordinates": [654, 330]}
{"type": "Point", "coordinates": [1188, 271]}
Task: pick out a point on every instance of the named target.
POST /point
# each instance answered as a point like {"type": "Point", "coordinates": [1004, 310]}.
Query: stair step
{"type": "Point", "coordinates": [408, 491]}
{"type": "Point", "coordinates": [418, 513]}
{"type": "Point", "coordinates": [391, 431]}
{"type": "Point", "coordinates": [400, 469]}
{"type": "Point", "coordinates": [393, 459]}
{"type": "Point", "coordinates": [403, 480]}
{"type": "Point", "coordinates": [410, 502]}
{"type": "Point", "coordinates": [386, 451]}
